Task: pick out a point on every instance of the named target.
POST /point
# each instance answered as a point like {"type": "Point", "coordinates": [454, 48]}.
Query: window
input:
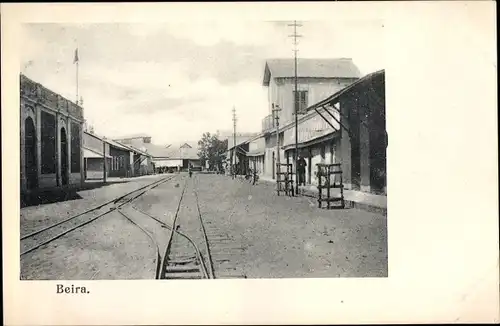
{"type": "Point", "coordinates": [48, 143]}
{"type": "Point", "coordinates": [302, 99]}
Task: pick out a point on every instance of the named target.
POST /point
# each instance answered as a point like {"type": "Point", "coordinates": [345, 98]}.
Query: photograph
{"type": "Point", "coordinates": [191, 150]}
{"type": "Point", "coordinates": [230, 163]}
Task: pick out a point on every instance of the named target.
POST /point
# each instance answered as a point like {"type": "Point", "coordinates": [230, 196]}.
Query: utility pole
{"type": "Point", "coordinates": [233, 155]}
{"type": "Point", "coordinates": [276, 110]}
{"type": "Point", "coordinates": [296, 105]}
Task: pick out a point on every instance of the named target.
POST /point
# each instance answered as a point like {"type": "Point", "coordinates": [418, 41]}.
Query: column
{"type": "Point", "coordinates": [58, 150]}
{"type": "Point", "coordinates": [364, 135]}
{"type": "Point", "coordinates": [68, 140]}
{"type": "Point", "coordinates": [82, 166]}
{"type": "Point", "coordinates": [344, 157]}
{"type": "Point", "coordinates": [39, 143]}
{"type": "Point", "coordinates": [22, 149]}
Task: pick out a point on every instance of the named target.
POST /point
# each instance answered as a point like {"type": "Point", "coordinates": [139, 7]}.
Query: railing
{"type": "Point", "coordinates": [268, 123]}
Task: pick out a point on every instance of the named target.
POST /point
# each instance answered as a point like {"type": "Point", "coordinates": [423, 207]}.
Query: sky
{"type": "Point", "coordinates": [176, 81]}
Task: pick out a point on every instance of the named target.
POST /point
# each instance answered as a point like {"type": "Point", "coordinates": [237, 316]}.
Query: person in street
{"type": "Point", "coordinates": [190, 168]}
{"type": "Point", "coordinates": [302, 171]}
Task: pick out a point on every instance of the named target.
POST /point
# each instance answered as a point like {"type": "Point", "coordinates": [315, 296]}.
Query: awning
{"type": "Point", "coordinates": [239, 150]}
{"type": "Point", "coordinates": [335, 97]}
{"type": "Point", "coordinates": [313, 141]}
{"type": "Point", "coordinates": [255, 153]}
{"type": "Point", "coordinates": [88, 153]}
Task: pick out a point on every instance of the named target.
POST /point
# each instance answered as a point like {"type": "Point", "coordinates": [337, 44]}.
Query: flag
{"type": "Point", "coordinates": [76, 56]}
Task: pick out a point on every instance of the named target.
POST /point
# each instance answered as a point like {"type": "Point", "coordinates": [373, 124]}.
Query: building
{"type": "Point", "coordinates": [363, 139]}
{"type": "Point", "coordinates": [51, 138]}
{"type": "Point", "coordinates": [160, 159]}
{"type": "Point", "coordinates": [316, 80]}
{"type": "Point", "coordinates": [94, 147]}
{"type": "Point", "coordinates": [347, 127]}
{"type": "Point", "coordinates": [141, 160]}
{"type": "Point", "coordinates": [236, 155]}
{"type": "Point", "coordinates": [182, 155]}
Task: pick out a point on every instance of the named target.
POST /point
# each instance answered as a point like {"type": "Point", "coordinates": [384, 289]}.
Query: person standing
{"type": "Point", "coordinates": [302, 171]}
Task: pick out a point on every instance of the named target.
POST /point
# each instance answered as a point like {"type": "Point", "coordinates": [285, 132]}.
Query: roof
{"type": "Point", "coordinates": [140, 135]}
{"type": "Point", "coordinates": [255, 153]}
{"type": "Point", "coordinates": [183, 153]}
{"type": "Point", "coordinates": [318, 68]}
{"type": "Point", "coordinates": [89, 153]}
{"type": "Point", "coordinates": [359, 82]}
{"type": "Point", "coordinates": [240, 140]}
{"type": "Point", "coordinates": [107, 140]}
{"type": "Point", "coordinates": [117, 144]}
{"type": "Point", "coordinates": [313, 141]}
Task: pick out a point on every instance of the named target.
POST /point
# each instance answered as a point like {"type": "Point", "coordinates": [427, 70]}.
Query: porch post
{"type": "Point", "coordinates": [345, 144]}
{"type": "Point", "coordinates": [364, 135]}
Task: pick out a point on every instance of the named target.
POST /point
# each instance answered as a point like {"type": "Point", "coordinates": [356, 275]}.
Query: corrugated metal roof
{"type": "Point", "coordinates": [319, 68]}
{"type": "Point", "coordinates": [336, 96]}
{"type": "Point", "coordinates": [116, 144]}
{"type": "Point", "coordinates": [140, 135]}
{"type": "Point", "coordinates": [255, 153]}
{"type": "Point", "coordinates": [88, 153]}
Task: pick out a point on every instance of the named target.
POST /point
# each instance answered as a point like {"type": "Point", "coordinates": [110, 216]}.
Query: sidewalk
{"type": "Point", "coordinates": [67, 192]}
{"type": "Point", "coordinates": [353, 198]}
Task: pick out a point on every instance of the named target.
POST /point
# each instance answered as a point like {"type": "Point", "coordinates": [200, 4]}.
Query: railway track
{"type": "Point", "coordinates": [187, 252]}
{"type": "Point", "coordinates": [186, 241]}
{"type": "Point", "coordinates": [39, 238]}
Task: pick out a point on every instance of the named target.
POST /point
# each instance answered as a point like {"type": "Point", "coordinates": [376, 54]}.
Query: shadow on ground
{"type": "Point", "coordinates": [43, 197]}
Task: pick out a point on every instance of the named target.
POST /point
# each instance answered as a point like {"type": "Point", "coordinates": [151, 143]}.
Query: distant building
{"type": "Point", "coordinates": [164, 158]}
{"type": "Point", "coordinates": [183, 154]}
{"type": "Point", "coordinates": [145, 153]}
{"type": "Point", "coordinates": [93, 147]}
{"type": "Point", "coordinates": [51, 138]}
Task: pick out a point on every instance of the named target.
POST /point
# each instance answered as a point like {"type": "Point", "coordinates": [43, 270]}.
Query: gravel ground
{"type": "Point", "coordinates": [252, 232]}
{"type": "Point", "coordinates": [291, 237]}
{"type": "Point", "coordinates": [109, 248]}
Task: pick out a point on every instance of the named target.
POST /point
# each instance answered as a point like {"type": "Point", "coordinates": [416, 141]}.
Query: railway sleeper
{"type": "Point", "coordinates": [182, 262]}
{"type": "Point", "coordinates": [184, 276]}
{"type": "Point", "coordinates": [182, 269]}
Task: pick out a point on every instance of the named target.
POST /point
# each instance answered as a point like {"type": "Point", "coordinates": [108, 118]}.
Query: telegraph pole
{"type": "Point", "coordinates": [296, 104]}
{"type": "Point", "coordinates": [233, 155]}
{"type": "Point", "coordinates": [276, 110]}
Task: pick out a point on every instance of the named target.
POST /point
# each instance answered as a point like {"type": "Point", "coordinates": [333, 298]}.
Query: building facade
{"type": "Point", "coordinates": [317, 79]}
{"type": "Point", "coordinates": [346, 127]}
{"type": "Point", "coordinates": [93, 152]}
{"type": "Point", "coordinates": [145, 154]}
{"type": "Point", "coordinates": [51, 138]}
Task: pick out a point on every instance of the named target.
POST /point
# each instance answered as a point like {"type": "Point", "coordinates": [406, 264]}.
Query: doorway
{"type": "Point", "coordinates": [64, 157]}
{"type": "Point", "coordinates": [30, 154]}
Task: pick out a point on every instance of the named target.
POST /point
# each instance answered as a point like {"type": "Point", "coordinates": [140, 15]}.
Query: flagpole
{"type": "Point", "coordinates": [77, 62]}
{"type": "Point", "coordinates": [77, 82]}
